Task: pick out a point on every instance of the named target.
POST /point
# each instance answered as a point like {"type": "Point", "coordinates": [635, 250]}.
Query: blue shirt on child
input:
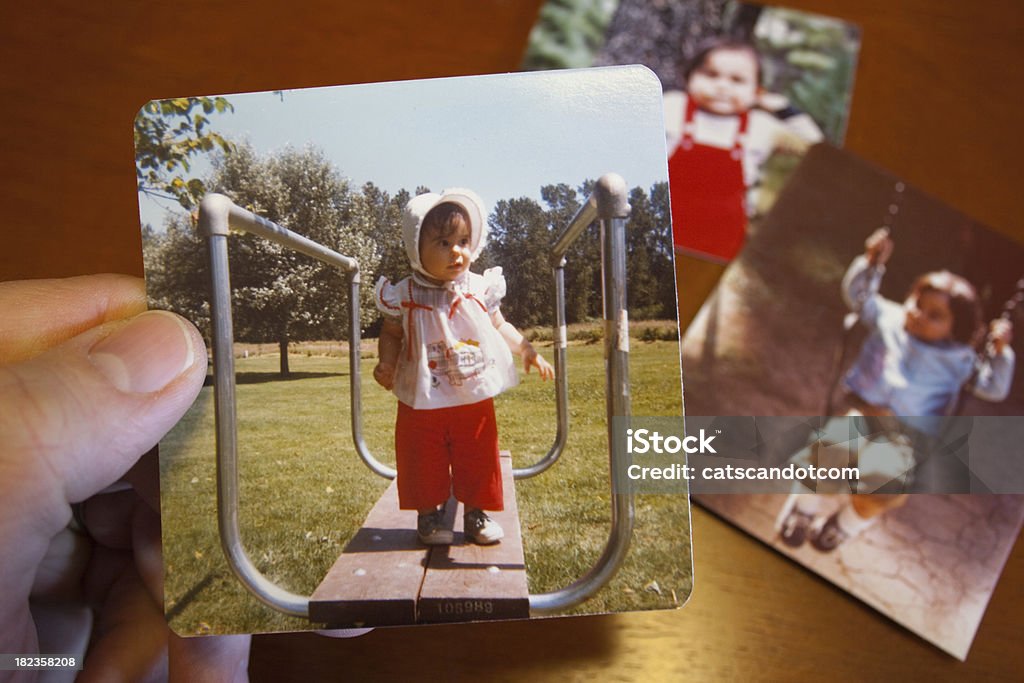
{"type": "Point", "coordinates": [908, 376]}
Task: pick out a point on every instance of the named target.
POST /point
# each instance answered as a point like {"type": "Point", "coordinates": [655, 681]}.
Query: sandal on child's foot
{"type": "Point", "coordinates": [830, 536]}
{"type": "Point", "coordinates": [431, 531]}
{"type": "Point", "coordinates": [481, 529]}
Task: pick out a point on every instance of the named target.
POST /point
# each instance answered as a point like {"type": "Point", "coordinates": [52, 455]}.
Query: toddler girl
{"type": "Point", "coordinates": [446, 351]}
{"type": "Point", "coordinates": [717, 140]}
{"type": "Point", "coordinates": [910, 370]}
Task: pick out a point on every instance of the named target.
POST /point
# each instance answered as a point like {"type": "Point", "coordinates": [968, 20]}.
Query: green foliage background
{"type": "Point", "coordinates": [811, 59]}
{"type": "Point", "coordinates": [169, 135]}
{"type": "Point", "coordinates": [568, 33]}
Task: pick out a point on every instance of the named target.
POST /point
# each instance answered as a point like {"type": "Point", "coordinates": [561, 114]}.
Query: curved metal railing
{"type": "Point", "coordinates": [608, 204]}
{"type": "Point", "coordinates": [217, 215]}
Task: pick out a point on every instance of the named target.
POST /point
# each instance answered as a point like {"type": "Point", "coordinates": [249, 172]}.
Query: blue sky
{"type": "Point", "coordinates": [503, 136]}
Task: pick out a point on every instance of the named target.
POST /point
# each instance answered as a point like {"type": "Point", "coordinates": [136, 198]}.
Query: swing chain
{"type": "Point", "coordinates": [889, 223]}
{"type": "Point", "coordinates": [1014, 301]}
{"type": "Point", "coordinates": [895, 203]}
{"type": "Point", "coordinates": [1009, 306]}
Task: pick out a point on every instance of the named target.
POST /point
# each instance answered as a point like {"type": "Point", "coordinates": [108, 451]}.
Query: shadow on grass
{"type": "Point", "coordinates": [264, 377]}
{"type": "Point", "coordinates": [188, 597]}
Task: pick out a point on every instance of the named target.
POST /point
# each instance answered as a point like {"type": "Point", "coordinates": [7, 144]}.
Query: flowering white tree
{"type": "Point", "coordinates": [278, 294]}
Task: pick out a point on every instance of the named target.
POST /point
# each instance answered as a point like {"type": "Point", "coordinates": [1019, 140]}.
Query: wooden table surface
{"type": "Point", "coordinates": [937, 100]}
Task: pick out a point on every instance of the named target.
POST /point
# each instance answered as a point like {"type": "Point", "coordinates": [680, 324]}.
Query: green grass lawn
{"type": "Point", "coordinates": [304, 492]}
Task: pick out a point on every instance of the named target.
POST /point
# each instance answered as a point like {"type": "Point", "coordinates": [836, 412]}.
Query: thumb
{"type": "Point", "coordinates": [74, 419]}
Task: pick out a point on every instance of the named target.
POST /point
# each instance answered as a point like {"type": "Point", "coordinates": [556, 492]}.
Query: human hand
{"type": "Point", "coordinates": [773, 102]}
{"type": "Point", "coordinates": [533, 359]}
{"type": "Point", "coordinates": [1000, 334]}
{"type": "Point", "coordinates": [878, 247]}
{"type": "Point", "coordinates": [88, 383]}
{"type": "Point", "coordinates": [792, 144]}
{"type": "Point", "coordinates": [384, 374]}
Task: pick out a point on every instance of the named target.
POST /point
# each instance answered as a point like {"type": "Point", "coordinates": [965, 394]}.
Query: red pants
{"type": "Point", "coordinates": [447, 451]}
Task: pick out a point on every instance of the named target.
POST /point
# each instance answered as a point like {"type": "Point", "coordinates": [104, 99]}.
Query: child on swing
{"type": "Point", "coordinates": [445, 351]}
{"type": "Point", "coordinates": [719, 133]}
{"type": "Point", "coordinates": [910, 370]}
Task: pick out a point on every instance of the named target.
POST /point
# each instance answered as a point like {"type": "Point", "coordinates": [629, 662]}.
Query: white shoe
{"type": "Point", "coordinates": [481, 529]}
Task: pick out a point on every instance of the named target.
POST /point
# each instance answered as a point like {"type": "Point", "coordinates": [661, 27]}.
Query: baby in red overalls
{"type": "Point", "coordinates": [718, 139]}
{"type": "Point", "coordinates": [445, 351]}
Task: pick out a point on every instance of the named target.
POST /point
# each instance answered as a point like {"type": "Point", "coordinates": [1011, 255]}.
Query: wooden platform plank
{"type": "Point", "coordinates": [468, 582]}
{"type": "Point", "coordinates": [376, 579]}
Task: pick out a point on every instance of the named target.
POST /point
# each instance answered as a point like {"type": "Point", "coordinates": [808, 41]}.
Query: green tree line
{"type": "Point", "coordinates": [282, 296]}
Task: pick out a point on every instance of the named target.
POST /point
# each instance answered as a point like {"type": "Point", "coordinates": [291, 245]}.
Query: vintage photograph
{"type": "Point", "coordinates": [851, 302]}
{"type": "Point", "coordinates": [747, 89]}
{"type": "Point", "coordinates": [426, 300]}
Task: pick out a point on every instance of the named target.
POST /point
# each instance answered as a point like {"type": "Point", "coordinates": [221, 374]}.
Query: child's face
{"type": "Point", "coordinates": [446, 257]}
{"type": "Point", "coordinates": [726, 83]}
{"type": "Point", "coordinates": [929, 317]}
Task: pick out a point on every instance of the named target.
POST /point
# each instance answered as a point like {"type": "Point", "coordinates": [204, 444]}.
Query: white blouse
{"type": "Point", "coordinates": [451, 353]}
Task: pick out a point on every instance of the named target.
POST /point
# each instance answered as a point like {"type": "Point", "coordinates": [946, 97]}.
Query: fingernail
{"type": "Point", "coordinates": [146, 354]}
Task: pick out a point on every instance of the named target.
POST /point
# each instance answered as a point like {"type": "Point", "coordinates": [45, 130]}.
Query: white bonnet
{"type": "Point", "coordinates": [418, 208]}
